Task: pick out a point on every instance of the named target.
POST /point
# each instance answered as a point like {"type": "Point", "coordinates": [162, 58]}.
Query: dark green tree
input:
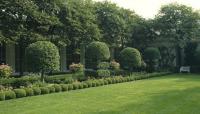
{"type": "Point", "coordinates": [177, 24]}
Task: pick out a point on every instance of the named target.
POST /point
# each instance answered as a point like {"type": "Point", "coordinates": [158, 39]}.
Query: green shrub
{"type": "Point", "coordinates": [151, 57]}
{"type": "Point", "coordinates": [5, 71]}
{"type": "Point", "coordinates": [85, 85]}
{"type": "Point", "coordinates": [130, 58]}
{"type": "Point", "coordinates": [75, 86]}
{"type": "Point", "coordinates": [10, 95]}
{"type": "Point", "coordinates": [2, 96]}
{"type": "Point", "coordinates": [44, 90]}
{"type": "Point", "coordinates": [105, 82]}
{"type": "Point", "coordinates": [17, 82]}
{"type": "Point", "coordinates": [64, 87]}
{"type": "Point", "coordinates": [114, 65]}
{"type": "Point", "coordinates": [29, 91]}
{"type": "Point", "coordinates": [110, 81]}
{"type": "Point", "coordinates": [69, 81]}
{"type": "Point", "coordinates": [114, 80]}
{"type": "Point", "coordinates": [103, 65]}
{"type": "Point", "coordinates": [98, 83]}
{"type": "Point", "coordinates": [103, 73]}
{"type": "Point", "coordinates": [42, 56]}
{"type": "Point", "coordinates": [95, 53]}
{"type": "Point", "coordinates": [80, 86]}
{"type": "Point", "coordinates": [20, 93]}
{"type": "Point", "coordinates": [70, 86]}
{"type": "Point", "coordinates": [59, 79]}
{"type": "Point", "coordinates": [36, 91]}
{"type": "Point", "coordinates": [101, 82]}
{"type": "Point", "coordinates": [57, 88]}
{"type": "Point", "coordinates": [51, 89]}
{"type": "Point", "coordinates": [89, 83]}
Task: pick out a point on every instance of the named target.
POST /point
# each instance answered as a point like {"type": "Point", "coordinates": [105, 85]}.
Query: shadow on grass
{"type": "Point", "coordinates": [171, 102]}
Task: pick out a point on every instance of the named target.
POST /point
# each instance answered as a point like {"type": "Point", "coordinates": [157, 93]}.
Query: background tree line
{"type": "Point", "coordinates": [72, 22]}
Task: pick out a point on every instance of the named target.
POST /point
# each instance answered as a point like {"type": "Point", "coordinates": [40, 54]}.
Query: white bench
{"type": "Point", "coordinates": [185, 69]}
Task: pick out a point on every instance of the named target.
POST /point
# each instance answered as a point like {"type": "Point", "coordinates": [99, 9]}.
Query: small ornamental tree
{"type": "Point", "coordinates": [42, 56]}
{"type": "Point", "coordinates": [95, 53]}
{"type": "Point", "coordinates": [151, 57]}
{"type": "Point", "coordinates": [130, 58]}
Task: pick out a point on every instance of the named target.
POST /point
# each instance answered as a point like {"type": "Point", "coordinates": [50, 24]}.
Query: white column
{"type": "Point", "coordinates": [10, 55]}
{"type": "Point", "coordinates": [63, 60]}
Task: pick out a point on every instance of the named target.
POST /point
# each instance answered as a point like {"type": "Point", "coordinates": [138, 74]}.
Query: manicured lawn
{"type": "Point", "coordinates": [174, 94]}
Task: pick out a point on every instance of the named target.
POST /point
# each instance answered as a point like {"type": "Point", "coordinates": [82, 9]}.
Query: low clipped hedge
{"type": "Point", "coordinates": [2, 96]}
{"type": "Point", "coordinates": [18, 93]}
{"type": "Point", "coordinates": [51, 89]}
{"type": "Point", "coordinates": [29, 91]}
{"type": "Point", "coordinates": [57, 88]}
{"type": "Point", "coordinates": [64, 87]}
{"type": "Point", "coordinates": [28, 80]}
{"type": "Point", "coordinates": [10, 95]}
{"type": "Point", "coordinates": [37, 91]}
{"type": "Point", "coordinates": [44, 90]}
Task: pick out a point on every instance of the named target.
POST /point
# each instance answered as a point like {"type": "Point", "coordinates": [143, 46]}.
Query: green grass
{"type": "Point", "coordinates": [174, 94]}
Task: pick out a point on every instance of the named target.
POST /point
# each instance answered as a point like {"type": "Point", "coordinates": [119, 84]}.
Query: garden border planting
{"type": "Point", "coordinates": [22, 92]}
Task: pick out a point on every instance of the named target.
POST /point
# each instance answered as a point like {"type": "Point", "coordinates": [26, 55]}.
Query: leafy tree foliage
{"type": "Point", "coordinates": [95, 53]}
{"type": "Point", "coordinates": [42, 56]}
{"type": "Point", "coordinates": [151, 57]}
{"type": "Point", "coordinates": [130, 58]}
{"type": "Point", "coordinates": [177, 25]}
{"type": "Point", "coordinates": [116, 23]}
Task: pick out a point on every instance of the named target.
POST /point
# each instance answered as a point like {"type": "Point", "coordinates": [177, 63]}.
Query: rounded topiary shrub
{"type": "Point", "coordinates": [103, 73]}
{"type": "Point", "coordinates": [10, 95]}
{"type": "Point", "coordinates": [151, 57]}
{"type": "Point", "coordinates": [2, 96]}
{"type": "Point", "coordinates": [42, 56]}
{"type": "Point", "coordinates": [5, 71]}
{"type": "Point", "coordinates": [20, 93]}
{"type": "Point", "coordinates": [29, 91]}
{"type": "Point", "coordinates": [95, 53]}
{"type": "Point", "coordinates": [57, 88]}
{"type": "Point", "coordinates": [51, 89]}
{"type": "Point", "coordinates": [44, 90]}
{"type": "Point", "coordinates": [36, 91]}
{"type": "Point", "coordinates": [130, 58]}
